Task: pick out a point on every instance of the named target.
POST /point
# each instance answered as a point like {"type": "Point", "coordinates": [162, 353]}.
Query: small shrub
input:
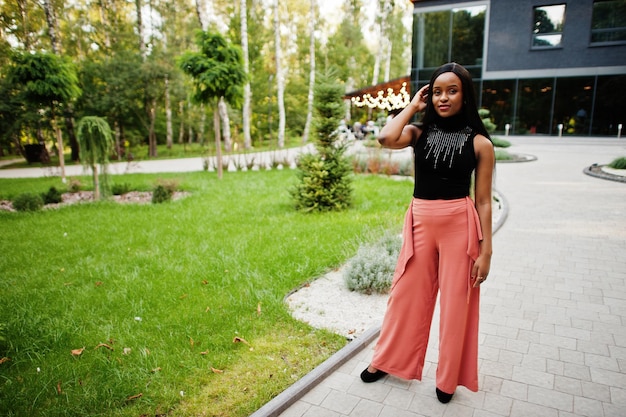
{"type": "Point", "coordinates": [120, 189]}
{"type": "Point", "coordinates": [503, 155]}
{"type": "Point", "coordinates": [161, 194]}
{"type": "Point", "coordinates": [500, 143]}
{"type": "Point", "coordinates": [74, 186]}
{"type": "Point", "coordinates": [53, 196]}
{"type": "Point", "coordinates": [371, 270]}
{"type": "Point", "coordinates": [619, 163]}
{"type": "Point", "coordinates": [164, 191]}
{"type": "Point", "coordinates": [28, 202]}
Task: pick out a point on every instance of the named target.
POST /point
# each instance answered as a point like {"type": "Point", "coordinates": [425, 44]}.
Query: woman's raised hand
{"type": "Point", "coordinates": [420, 99]}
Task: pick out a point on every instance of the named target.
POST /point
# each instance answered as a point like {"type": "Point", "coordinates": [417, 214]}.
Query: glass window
{"type": "Point", "coordinates": [467, 35]}
{"type": "Point", "coordinates": [573, 104]}
{"type": "Point", "coordinates": [610, 101]}
{"type": "Point", "coordinates": [498, 97]}
{"type": "Point", "coordinates": [436, 39]}
{"type": "Point", "coordinates": [548, 26]}
{"type": "Point", "coordinates": [608, 24]}
{"type": "Point", "coordinates": [450, 35]}
{"type": "Point", "coordinates": [533, 106]}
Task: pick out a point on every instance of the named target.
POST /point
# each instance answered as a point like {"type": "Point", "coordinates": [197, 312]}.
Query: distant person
{"type": "Point", "coordinates": [446, 236]}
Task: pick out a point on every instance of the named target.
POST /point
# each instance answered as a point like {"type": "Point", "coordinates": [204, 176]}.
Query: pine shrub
{"type": "Point", "coordinates": [325, 182]}
{"type": "Point", "coordinates": [371, 270]}
{"type": "Point", "coordinates": [28, 202]}
{"type": "Point", "coordinates": [53, 196]}
{"type": "Point", "coordinates": [161, 194]}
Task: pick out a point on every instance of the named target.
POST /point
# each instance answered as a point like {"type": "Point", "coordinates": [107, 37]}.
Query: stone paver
{"type": "Point", "coordinates": [553, 312]}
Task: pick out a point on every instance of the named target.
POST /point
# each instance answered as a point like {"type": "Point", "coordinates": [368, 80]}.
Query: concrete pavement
{"type": "Point", "coordinates": [553, 312]}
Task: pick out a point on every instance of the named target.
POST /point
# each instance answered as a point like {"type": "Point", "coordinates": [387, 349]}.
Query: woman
{"type": "Point", "coordinates": [447, 236]}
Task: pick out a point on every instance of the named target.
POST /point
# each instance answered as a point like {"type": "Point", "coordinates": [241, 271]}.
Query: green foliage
{"type": "Point", "coordinates": [486, 118]}
{"type": "Point", "coordinates": [161, 194]}
{"type": "Point", "coordinates": [120, 188]}
{"type": "Point", "coordinates": [28, 202]}
{"type": "Point", "coordinates": [45, 78]}
{"type": "Point", "coordinates": [618, 163]}
{"type": "Point", "coordinates": [164, 191]}
{"type": "Point", "coordinates": [500, 143]}
{"type": "Point", "coordinates": [217, 70]}
{"type": "Point", "coordinates": [53, 196]}
{"type": "Point", "coordinates": [95, 140]}
{"type": "Point", "coordinates": [371, 270]}
{"type": "Point", "coordinates": [324, 177]}
{"type": "Point", "coordinates": [502, 155]}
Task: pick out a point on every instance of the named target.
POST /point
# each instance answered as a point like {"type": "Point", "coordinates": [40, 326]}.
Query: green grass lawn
{"type": "Point", "coordinates": [158, 294]}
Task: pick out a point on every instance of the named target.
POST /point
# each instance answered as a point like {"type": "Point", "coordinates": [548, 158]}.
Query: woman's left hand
{"type": "Point", "coordinates": [480, 271]}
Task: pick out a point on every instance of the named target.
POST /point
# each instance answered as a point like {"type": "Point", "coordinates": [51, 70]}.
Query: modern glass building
{"type": "Point", "coordinates": [541, 66]}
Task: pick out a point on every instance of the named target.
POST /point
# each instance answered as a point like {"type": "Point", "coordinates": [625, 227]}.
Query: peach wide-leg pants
{"type": "Point", "coordinates": [441, 243]}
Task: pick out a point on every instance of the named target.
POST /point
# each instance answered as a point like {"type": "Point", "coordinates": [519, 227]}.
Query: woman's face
{"type": "Point", "coordinates": [447, 94]}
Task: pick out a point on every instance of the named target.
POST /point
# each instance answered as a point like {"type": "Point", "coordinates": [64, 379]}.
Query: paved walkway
{"type": "Point", "coordinates": [553, 312]}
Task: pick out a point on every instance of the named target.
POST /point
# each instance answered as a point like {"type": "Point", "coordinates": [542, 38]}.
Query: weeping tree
{"type": "Point", "coordinates": [95, 141]}
{"type": "Point", "coordinates": [218, 73]}
{"type": "Point", "coordinates": [325, 182]}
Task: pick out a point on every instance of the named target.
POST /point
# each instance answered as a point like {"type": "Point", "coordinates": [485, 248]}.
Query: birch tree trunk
{"type": "Point", "coordinates": [51, 20]}
{"type": "Point", "coordinates": [142, 44]}
{"type": "Point", "coordinates": [169, 139]}
{"type": "Point", "coordinates": [247, 94]}
{"type": "Point", "coordinates": [309, 115]}
{"type": "Point", "coordinates": [280, 82]}
{"type": "Point", "coordinates": [181, 130]}
{"type": "Point", "coordinates": [228, 144]}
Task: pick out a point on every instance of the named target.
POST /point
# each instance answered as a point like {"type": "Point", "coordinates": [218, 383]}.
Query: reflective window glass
{"type": "Point", "coordinates": [608, 24]}
{"type": "Point", "coordinates": [548, 26]}
{"type": "Point", "coordinates": [534, 101]}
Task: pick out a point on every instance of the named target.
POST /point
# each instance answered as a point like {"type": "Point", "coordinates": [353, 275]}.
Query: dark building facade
{"type": "Point", "coordinates": [541, 66]}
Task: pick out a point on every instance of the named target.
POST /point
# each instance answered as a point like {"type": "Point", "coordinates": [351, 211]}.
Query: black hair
{"type": "Point", "coordinates": [470, 108]}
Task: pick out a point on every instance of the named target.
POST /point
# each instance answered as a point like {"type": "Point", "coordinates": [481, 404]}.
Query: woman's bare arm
{"type": "Point", "coordinates": [397, 133]}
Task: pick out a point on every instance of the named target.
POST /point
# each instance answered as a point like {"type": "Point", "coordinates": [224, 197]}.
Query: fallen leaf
{"type": "Point", "coordinates": [238, 339]}
{"type": "Point", "coordinates": [104, 345]}
{"type": "Point", "coordinates": [3, 360]}
{"type": "Point", "coordinates": [127, 351]}
{"type": "Point", "coordinates": [182, 297]}
{"type": "Point", "coordinates": [258, 309]}
{"type": "Point", "coordinates": [207, 309]}
{"type": "Point", "coordinates": [59, 390]}
{"type": "Point", "coordinates": [155, 370]}
{"type": "Point", "coordinates": [351, 331]}
{"type": "Point", "coordinates": [134, 397]}
{"type": "Point", "coordinates": [206, 352]}
{"type": "Point", "coordinates": [217, 371]}
{"type": "Point", "coordinates": [98, 283]}
{"type": "Point", "coordinates": [78, 352]}
{"type": "Point", "coordinates": [191, 342]}
{"type": "Point", "coordinates": [205, 282]}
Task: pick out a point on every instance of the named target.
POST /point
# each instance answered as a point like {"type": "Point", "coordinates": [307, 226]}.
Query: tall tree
{"type": "Point", "coordinates": [217, 71]}
{"type": "Point", "coordinates": [47, 82]}
{"type": "Point", "coordinates": [280, 79]}
{"type": "Point", "coordinates": [243, 12]}
{"type": "Point", "coordinates": [309, 114]}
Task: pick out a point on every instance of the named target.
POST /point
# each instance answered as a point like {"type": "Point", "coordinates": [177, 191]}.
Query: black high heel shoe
{"type": "Point", "coordinates": [367, 376]}
{"type": "Point", "coordinates": [443, 397]}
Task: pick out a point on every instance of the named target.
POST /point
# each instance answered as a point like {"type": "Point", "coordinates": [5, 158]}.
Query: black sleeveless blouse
{"type": "Point", "coordinates": [444, 160]}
